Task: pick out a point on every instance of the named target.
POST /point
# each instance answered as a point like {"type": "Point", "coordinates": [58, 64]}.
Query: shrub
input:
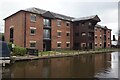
{"type": "Point", "coordinates": [19, 51]}
{"type": "Point", "coordinates": [10, 46]}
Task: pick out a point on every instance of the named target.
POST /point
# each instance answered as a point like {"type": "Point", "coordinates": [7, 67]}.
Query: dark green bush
{"type": "Point", "coordinates": [19, 51]}
{"type": "Point", "coordinates": [10, 46]}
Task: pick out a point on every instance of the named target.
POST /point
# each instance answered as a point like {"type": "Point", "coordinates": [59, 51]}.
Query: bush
{"type": "Point", "coordinates": [19, 51]}
{"type": "Point", "coordinates": [10, 46]}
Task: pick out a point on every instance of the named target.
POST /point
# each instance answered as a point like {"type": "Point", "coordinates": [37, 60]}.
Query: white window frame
{"type": "Point", "coordinates": [68, 43]}
{"type": "Point", "coordinates": [58, 43]}
{"type": "Point", "coordinates": [68, 24]}
{"type": "Point", "coordinates": [31, 19]}
{"type": "Point", "coordinates": [59, 21]}
{"type": "Point", "coordinates": [33, 42]}
{"type": "Point", "coordinates": [83, 34]}
{"type": "Point", "coordinates": [34, 28]}
{"type": "Point", "coordinates": [60, 32]}
{"type": "Point", "coordinates": [68, 32]}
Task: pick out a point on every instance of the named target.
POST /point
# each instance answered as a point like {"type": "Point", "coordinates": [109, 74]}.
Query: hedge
{"type": "Point", "coordinates": [19, 51]}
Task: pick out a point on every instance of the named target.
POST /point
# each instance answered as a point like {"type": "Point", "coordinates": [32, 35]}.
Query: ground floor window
{"type": "Point", "coordinates": [68, 44]}
{"type": "Point", "coordinates": [58, 44]}
{"type": "Point", "coordinates": [32, 44]}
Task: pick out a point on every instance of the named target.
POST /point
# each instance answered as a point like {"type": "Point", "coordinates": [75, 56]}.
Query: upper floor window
{"type": "Point", "coordinates": [33, 17]}
{"type": "Point", "coordinates": [67, 23]}
{"type": "Point", "coordinates": [83, 33]}
{"type": "Point", "coordinates": [100, 29]}
{"type": "Point", "coordinates": [59, 33]}
{"type": "Point", "coordinates": [46, 22]}
{"type": "Point", "coordinates": [67, 33]}
{"type": "Point", "coordinates": [59, 22]}
{"type": "Point", "coordinates": [83, 23]}
{"type": "Point", "coordinates": [32, 30]}
{"type": "Point", "coordinates": [90, 24]}
{"type": "Point", "coordinates": [46, 34]}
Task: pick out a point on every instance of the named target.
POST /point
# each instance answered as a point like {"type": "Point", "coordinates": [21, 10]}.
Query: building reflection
{"type": "Point", "coordinates": [82, 66]}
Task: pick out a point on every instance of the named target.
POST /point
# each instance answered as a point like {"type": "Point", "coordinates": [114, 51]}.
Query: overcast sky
{"type": "Point", "coordinates": [106, 10]}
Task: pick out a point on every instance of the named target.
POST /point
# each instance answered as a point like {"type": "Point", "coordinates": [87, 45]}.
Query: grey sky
{"type": "Point", "coordinates": [106, 10]}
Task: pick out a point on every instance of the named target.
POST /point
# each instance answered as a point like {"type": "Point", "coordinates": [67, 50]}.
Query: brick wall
{"type": "Point", "coordinates": [63, 39]}
{"type": "Point", "coordinates": [16, 22]}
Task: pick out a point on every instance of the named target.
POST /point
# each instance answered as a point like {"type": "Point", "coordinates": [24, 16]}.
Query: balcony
{"type": "Point", "coordinates": [47, 35]}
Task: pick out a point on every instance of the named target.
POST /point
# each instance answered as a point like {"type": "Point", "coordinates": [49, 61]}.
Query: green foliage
{"type": "Point", "coordinates": [3, 37]}
{"type": "Point", "coordinates": [19, 51]}
{"type": "Point", "coordinates": [10, 46]}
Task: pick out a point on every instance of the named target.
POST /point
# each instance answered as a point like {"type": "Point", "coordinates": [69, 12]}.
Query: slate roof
{"type": "Point", "coordinates": [56, 15]}
{"type": "Point", "coordinates": [104, 27]}
{"type": "Point", "coordinates": [85, 18]}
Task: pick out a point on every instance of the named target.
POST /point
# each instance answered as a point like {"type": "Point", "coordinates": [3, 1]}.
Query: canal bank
{"type": "Point", "coordinates": [56, 55]}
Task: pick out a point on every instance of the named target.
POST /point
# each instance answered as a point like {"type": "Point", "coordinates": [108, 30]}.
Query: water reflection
{"type": "Point", "coordinates": [82, 66]}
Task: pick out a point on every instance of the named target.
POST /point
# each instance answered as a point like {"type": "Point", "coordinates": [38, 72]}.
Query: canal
{"type": "Point", "coordinates": [103, 65]}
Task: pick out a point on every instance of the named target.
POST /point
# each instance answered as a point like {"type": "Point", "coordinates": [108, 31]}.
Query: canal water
{"type": "Point", "coordinates": [103, 65]}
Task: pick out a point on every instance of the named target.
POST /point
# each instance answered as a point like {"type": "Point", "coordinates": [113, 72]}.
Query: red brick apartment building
{"type": "Point", "coordinates": [102, 37]}
{"type": "Point", "coordinates": [44, 30]}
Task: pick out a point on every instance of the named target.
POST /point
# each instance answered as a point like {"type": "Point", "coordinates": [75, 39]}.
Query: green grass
{"type": "Point", "coordinates": [74, 51]}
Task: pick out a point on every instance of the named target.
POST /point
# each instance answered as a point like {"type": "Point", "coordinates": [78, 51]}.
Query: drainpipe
{"type": "Point", "coordinates": [25, 30]}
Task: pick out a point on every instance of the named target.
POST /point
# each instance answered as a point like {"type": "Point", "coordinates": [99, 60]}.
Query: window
{"type": "Point", "coordinates": [100, 44]}
{"type": "Point", "coordinates": [32, 30]}
{"type": "Point", "coordinates": [83, 23]}
{"type": "Point", "coordinates": [108, 31]}
{"type": "Point", "coordinates": [95, 44]}
{"type": "Point", "coordinates": [100, 29]}
{"type": "Point", "coordinates": [95, 36]}
{"type": "Point", "coordinates": [58, 44]}
{"type": "Point", "coordinates": [47, 22]}
{"type": "Point", "coordinates": [67, 23]}
{"type": "Point", "coordinates": [95, 29]}
{"type": "Point", "coordinates": [76, 34]}
{"type": "Point", "coordinates": [32, 44]}
{"type": "Point", "coordinates": [46, 34]}
{"type": "Point", "coordinates": [90, 24]}
{"type": "Point", "coordinates": [33, 17]}
{"type": "Point", "coordinates": [83, 33]}
{"type": "Point", "coordinates": [67, 33]}
{"type": "Point", "coordinates": [83, 45]}
{"type": "Point", "coordinates": [59, 22]}
{"type": "Point", "coordinates": [108, 44]}
{"type": "Point", "coordinates": [59, 33]}
{"type": "Point", "coordinates": [68, 44]}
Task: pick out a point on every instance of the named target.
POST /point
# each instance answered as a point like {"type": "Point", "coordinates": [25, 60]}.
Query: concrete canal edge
{"type": "Point", "coordinates": [29, 58]}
